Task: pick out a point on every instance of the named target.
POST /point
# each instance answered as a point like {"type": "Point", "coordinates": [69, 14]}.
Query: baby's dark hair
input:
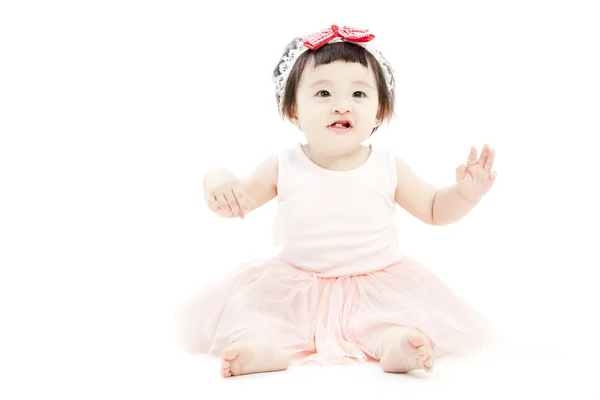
{"type": "Point", "coordinates": [339, 51]}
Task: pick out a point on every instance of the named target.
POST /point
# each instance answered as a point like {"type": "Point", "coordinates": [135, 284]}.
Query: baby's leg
{"type": "Point", "coordinates": [252, 352]}
{"type": "Point", "coordinates": [403, 349]}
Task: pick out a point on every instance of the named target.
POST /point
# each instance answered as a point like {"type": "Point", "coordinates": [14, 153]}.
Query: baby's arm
{"type": "Point", "coordinates": [261, 184]}
{"type": "Point", "coordinates": [427, 203]}
{"type": "Point", "coordinates": [227, 195]}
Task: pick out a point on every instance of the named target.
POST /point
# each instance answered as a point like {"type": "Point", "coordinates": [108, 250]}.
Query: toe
{"type": "Point", "coordinates": [416, 340]}
{"type": "Point", "coordinates": [231, 352]}
{"type": "Point", "coordinates": [225, 372]}
{"type": "Point", "coordinates": [428, 363]}
{"type": "Point", "coordinates": [236, 369]}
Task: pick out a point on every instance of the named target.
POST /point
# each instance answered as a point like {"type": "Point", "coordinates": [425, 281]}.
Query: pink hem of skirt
{"type": "Point", "coordinates": [330, 320]}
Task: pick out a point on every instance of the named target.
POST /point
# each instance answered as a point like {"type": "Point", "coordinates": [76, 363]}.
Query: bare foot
{"type": "Point", "coordinates": [251, 356]}
{"type": "Point", "coordinates": [406, 349]}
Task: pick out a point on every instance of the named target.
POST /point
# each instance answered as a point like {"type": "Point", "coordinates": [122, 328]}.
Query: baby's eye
{"type": "Point", "coordinates": [322, 91]}
{"type": "Point", "coordinates": [361, 94]}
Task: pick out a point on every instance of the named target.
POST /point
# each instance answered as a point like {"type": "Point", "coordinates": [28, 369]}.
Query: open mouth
{"type": "Point", "coordinates": [341, 126]}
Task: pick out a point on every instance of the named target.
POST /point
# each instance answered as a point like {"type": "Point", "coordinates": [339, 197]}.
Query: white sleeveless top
{"type": "Point", "coordinates": [337, 223]}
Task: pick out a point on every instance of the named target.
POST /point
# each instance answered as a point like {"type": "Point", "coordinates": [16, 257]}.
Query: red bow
{"type": "Point", "coordinates": [320, 38]}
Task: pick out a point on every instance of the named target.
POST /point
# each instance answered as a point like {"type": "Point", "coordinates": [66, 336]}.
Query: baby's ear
{"type": "Point", "coordinates": [294, 120]}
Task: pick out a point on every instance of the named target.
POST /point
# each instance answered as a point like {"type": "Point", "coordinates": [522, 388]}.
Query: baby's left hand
{"type": "Point", "coordinates": [476, 178]}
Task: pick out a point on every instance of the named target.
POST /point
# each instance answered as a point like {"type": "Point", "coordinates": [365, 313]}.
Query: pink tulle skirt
{"type": "Point", "coordinates": [330, 320]}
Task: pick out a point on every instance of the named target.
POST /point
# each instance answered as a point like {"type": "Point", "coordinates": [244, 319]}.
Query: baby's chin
{"type": "Point", "coordinates": [333, 145]}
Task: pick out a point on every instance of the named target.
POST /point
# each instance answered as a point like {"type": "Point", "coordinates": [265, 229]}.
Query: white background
{"type": "Point", "coordinates": [111, 112]}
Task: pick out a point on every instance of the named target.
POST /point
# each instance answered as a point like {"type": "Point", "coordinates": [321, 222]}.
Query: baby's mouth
{"type": "Point", "coordinates": [340, 127]}
{"type": "Point", "coordinates": [341, 124]}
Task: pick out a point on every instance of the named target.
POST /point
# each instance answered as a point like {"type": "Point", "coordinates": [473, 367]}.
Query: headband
{"type": "Point", "coordinates": [318, 39]}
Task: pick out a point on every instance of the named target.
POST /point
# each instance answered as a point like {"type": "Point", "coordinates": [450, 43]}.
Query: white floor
{"type": "Point", "coordinates": [142, 361]}
{"type": "Point", "coordinates": [506, 372]}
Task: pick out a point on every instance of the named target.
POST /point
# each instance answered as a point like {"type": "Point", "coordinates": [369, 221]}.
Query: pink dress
{"type": "Point", "coordinates": [340, 279]}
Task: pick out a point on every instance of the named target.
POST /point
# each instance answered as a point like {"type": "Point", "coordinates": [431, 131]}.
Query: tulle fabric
{"type": "Point", "coordinates": [330, 320]}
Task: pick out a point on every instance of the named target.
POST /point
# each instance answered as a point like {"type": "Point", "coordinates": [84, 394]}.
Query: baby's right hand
{"type": "Point", "coordinates": [225, 195]}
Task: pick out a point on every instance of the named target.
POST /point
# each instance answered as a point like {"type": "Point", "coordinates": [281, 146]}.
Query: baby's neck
{"type": "Point", "coordinates": [338, 162]}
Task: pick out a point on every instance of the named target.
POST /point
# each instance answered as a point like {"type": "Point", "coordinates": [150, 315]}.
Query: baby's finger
{"type": "Point", "coordinates": [213, 206]}
{"type": "Point", "coordinates": [222, 202]}
{"type": "Point", "coordinates": [223, 213]}
{"type": "Point", "coordinates": [461, 170]}
{"type": "Point", "coordinates": [489, 163]}
{"type": "Point", "coordinates": [472, 160]}
{"type": "Point", "coordinates": [211, 201]}
{"type": "Point", "coordinates": [242, 203]}
{"type": "Point", "coordinates": [242, 200]}
{"type": "Point", "coordinates": [240, 193]}
{"type": "Point", "coordinates": [233, 204]}
{"type": "Point", "coordinates": [208, 196]}
{"type": "Point", "coordinates": [484, 155]}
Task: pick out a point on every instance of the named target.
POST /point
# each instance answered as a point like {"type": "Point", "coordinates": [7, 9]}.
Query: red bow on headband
{"type": "Point", "coordinates": [320, 38]}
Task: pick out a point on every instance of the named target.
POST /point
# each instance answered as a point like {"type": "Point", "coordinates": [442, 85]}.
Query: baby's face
{"type": "Point", "coordinates": [332, 92]}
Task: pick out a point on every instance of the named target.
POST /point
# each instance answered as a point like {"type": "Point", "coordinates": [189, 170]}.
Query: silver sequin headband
{"type": "Point", "coordinates": [314, 41]}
